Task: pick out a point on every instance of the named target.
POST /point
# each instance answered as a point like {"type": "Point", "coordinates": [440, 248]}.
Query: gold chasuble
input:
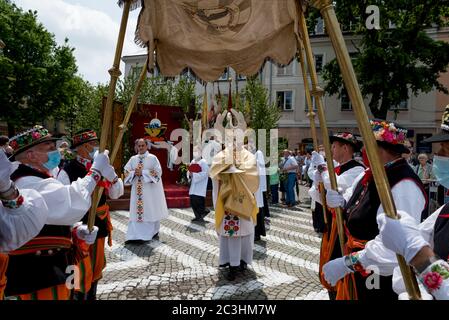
{"type": "Point", "coordinates": [238, 181]}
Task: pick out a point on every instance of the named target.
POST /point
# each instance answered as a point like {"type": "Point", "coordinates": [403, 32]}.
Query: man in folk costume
{"type": "Point", "coordinates": [344, 144]}
{"type": "Point", "coordinates": [199, 175]}
{"type": "Point", "coordinates": [22, 216]}
{"type": "Point", "coordinates": [365, 252]}
{"type": "Point", "coordinates": [148, 205]}
{"type": "Point", "coordinates": [235, 178]}
{"type": "Point", "coordinates": [425, 247]}
{"type": "Point", "coordinates": [37, 270]}
{"type": "Point", "coordinates": [85, 144]}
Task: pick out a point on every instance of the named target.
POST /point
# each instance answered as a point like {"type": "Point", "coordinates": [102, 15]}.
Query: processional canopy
{"type": "Point", "coordinates": [209, 35]}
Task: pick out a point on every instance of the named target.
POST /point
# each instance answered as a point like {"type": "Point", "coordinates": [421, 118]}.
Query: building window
{"type": "Point", "coordinates": [285, 100]}
{"type": "Point", "coordinates": [319, 62]}
{"type": "Point", "coordinates": [241, 77]}
{"type": "Point", "coordinates": [285, 71]}
{"type": "Point", "coordinates": [188, 74]}
{"type": "Point", "coordinates": [135, 71]}
{"type": "Point", "coordinates": [225, 76]}
{"type": "Point", "coordinates": [346, 104]}
{"type": "Point", "coordinates": [402, 106]}
{"type": "Point", "coordinates": [319, 27]}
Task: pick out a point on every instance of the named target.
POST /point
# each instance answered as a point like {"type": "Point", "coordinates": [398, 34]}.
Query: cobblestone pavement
{"type": "Point", "coordinates": [183, 263]}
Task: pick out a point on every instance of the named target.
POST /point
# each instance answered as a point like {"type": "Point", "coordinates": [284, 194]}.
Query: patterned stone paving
{"type": "Point", "coordinates": [183, 263]}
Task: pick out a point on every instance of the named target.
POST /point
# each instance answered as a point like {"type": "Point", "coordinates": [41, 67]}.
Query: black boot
{"type": "Point", "coordinates": [232, 273]}
{"type": "Point", "coordinates": [243, 265]}
{"type": "Point", "coordinates": [92, 294]}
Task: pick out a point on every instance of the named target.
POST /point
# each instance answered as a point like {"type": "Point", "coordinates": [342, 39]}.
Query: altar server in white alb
{"type": "Point", "coordinates": [199, 175]}
{"type": "Point", "coordinates": [148, 205]}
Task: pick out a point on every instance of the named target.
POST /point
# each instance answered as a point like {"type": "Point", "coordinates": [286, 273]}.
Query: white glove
{"type": "Point", "coordinates": [424, 294]}
{"type": "Point", "coordinates": [83, 233]}
{"type": "Point", "coordinates": [6, 169]}
{"type": "Point", "coordinates": [317, 159]}
{"type": "Point", "coordinates": [317, 178]}
{"type": "Point", "coordinates": [401, 236]}
{"type": "Point", "coordinates": [102, 164]}
{"type": "Point", "coordinates": [335, 270]}
{"type": "Point", "coordinates": [334, 199]}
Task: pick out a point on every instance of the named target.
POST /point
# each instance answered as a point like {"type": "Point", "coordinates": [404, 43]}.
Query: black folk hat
{"type": "Point", "coordinates": [346, 137]}
{"type": "Point", "coordinates": [83, 136]}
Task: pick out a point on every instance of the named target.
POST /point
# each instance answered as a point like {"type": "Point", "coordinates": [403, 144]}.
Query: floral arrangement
{"type": "Point", "coordinates": [388, 132]}
{"type": "Point", "coordinates": [28, 138]}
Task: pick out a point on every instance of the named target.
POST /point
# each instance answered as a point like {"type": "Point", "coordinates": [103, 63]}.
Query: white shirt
{"type": "Point", "coordinates": [260, 160]}
{"type": "Point", "coordinates": [18, 226]}
{"type": "Point", "coordinates": [407, 197]}
{"type": "Point", "coordinates": [289, 163]}
{"type": "Point", "coordinates": [67, 204]}
{"type": "Point", "coordinates": [115, 191]}
{"type": "Point", "coordinates": [198, 186]}
{"type": "Point", "coordinates": [344, 181]}
{"type": "Point", "coordinates": [210, 150]}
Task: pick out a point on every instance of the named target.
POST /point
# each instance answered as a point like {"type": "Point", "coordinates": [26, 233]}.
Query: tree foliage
{"type": "Point", "coordinates": [400, 58]}
{"type": "Point", "coordinates": [262, 113]}
{"type": "Point", "coordinates": [36, 74]}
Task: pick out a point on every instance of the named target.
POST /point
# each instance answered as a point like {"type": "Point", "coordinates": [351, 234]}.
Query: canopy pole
{"type": "Point", "coordinates": [124, 126]}
{"type": "Point", "coordinates": [333, 28]}
{"type": "Point", "coordinates": [318, 93]}
{"type": "Point", "coordinates": [107, 117]}
{"type": "Point", "coordinates": [311, 115]}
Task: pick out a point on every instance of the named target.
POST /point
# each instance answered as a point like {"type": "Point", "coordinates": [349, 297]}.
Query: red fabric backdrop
{"type": "Point", "coordinates": [171, 117]}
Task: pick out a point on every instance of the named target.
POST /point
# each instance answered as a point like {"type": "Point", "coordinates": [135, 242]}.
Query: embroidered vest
{"type": "Point", "coordinates": [441, 234]}
{"type": "Point", "coordinates": [361, 210]}
{"type": "Point", "coordinates": [360, 216]}
{"type": "Point", "coordinates": [42, 262]}
{"type": "Point", "coordinates": [336, 252]}
{"type": "Point", "coordinates": [76, 170]}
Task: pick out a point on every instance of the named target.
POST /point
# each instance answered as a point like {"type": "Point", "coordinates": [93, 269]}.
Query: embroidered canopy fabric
{"type": "Point", "coordinates": [209, 35]}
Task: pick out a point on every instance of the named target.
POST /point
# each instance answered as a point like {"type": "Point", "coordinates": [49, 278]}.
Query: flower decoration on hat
{"type": "Point", "coordinates": [84, 137]}
{"type": "Point", "coordinates": [388, 132]}
{"type": "Point", "coordinates": [347, 136]}
{"type": "Point", "coordinates": [29, 138]}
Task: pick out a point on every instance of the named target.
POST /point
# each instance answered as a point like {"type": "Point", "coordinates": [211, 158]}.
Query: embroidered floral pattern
{"type": "Point", "coordinates": [231, 225]}
{"type": "Point", "coordinates": [139, 192]}
{"type": "Point", "coordinates": [433, 279]}
{"type": "Point", "coordinates": [85, 162]}
{"type": "Point", "coordinates": [13, 204]}
{"type": "Point", "coordinates": [28, 137]}
{"type": "Point", "coordinates": [240, 197]}
{"type": "Point", "coordinates": [84, 137]}
{"type": "Point", "coordinates": [388, 132]}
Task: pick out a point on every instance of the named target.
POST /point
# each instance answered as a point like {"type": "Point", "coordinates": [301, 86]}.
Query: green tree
{"type": "Point", "coordinates": [397, 59]}
{"type": "Point", "coordinates": [262, 114]}
{"type": "Point", "coordinates": [36, 73]}
{"type": "Point", "coordinates": [84, 109]}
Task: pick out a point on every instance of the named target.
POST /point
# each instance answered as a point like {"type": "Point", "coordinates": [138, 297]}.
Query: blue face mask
{"type": "Point", "coordinates": [93, 152]}
{"type": "Point", "coordinates": [54, 157]}
{"type": "Point", "coordinates": [441, 170]}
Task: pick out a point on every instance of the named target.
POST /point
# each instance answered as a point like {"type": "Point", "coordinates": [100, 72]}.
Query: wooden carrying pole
{"type": "Point", "coordinates": [311, 116]}
{"type": "Point", "coordinates": [318, 93]}
{"type": "Point", "coordinates": [123, 127]}
{"type": "Point", "coordinates": [107, 117]}
{"type": "Point", "coordinates": [333, 28]}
